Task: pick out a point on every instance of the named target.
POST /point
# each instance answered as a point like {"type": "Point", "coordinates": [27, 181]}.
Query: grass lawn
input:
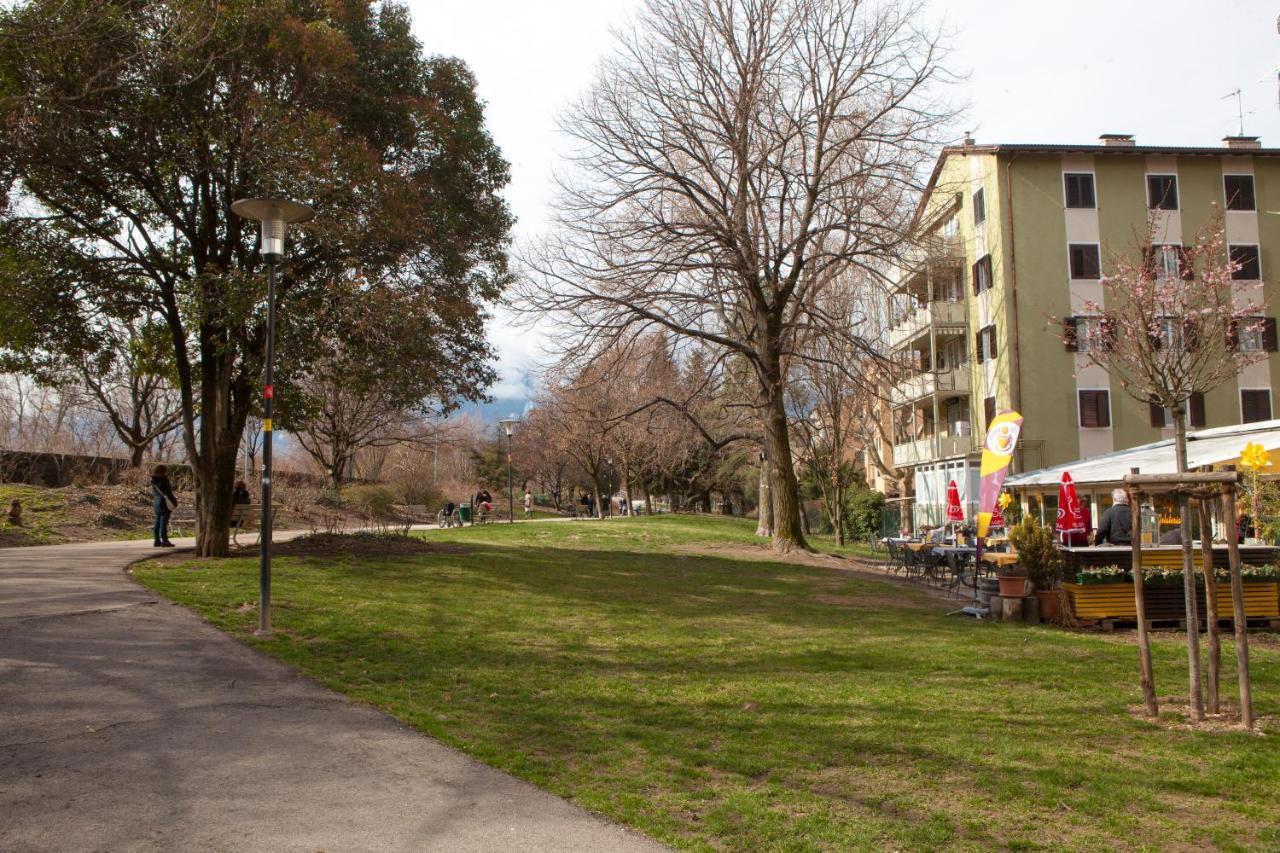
{"type": "Point", "coordinates": [662, 673]}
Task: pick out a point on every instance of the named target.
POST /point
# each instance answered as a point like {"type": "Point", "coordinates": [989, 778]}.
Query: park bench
{"type": "Point", "coordinates": [248, 516]}
{"type": "Point", "coordinates": [416, 513]}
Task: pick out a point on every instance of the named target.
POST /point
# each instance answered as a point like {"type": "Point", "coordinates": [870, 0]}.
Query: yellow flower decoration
{"type": "Point", "coordinates": [1254, 456]}
{"type": "Point", "coordinates": [1004, 500]}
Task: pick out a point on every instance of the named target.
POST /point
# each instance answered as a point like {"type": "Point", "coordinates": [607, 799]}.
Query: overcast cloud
{"type": "Point", "coordinates": [1036, 72]}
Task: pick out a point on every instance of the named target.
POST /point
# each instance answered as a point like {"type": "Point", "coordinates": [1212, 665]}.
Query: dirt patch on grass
{"type": "Point", "coordinates": [1176, 716]}
{"type": "Point", "coordinates": [361, 544]}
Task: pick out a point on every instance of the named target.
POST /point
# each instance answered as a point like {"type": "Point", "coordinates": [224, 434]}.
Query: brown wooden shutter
{"type": "Point", "coordinates": [989, 409]}
{"type": "Point", "coordinates": [1156, 412]}
{"type": "Point", "coordinates": [1233, 335]}
{"type": "Point", "coordinates": [991, 343]}
{"type": "Point", "coordinates": [1149, 259]}
{"type": "Point", "coordinates": [977, 340]}
{"type": "Point", "coordinates": [1255, 405]}
{"type": "Point", "coordinates": [977, 289]}
{"type": "Point", "coordinates": [1070, 334]}
{"type": "Point", "coordinates": [1195, 409]}
{"type": "Point", "coordinates": [1269, 334]}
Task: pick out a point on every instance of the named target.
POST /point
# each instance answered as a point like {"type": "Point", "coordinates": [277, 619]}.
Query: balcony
{"type": "Point", "coordinates": [936, 252]}
{"type": "Point", "coordinates": [930, 450]}
{"type": "Point", "coordinates": [950, 316]}
{"type": "Point", "coordinates": [955, 380]}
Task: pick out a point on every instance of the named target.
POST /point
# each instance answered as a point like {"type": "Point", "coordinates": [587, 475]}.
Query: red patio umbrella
{"type": "Point", "coordinates": [955, 512]}
{"type": "Point", "coordinates": [1070, 517]}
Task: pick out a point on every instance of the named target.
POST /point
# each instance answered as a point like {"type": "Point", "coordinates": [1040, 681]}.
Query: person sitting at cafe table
{"type": "Point", "coordinates": [938, 536]}
{"type": "Point", "coordinates": [1116, 525]}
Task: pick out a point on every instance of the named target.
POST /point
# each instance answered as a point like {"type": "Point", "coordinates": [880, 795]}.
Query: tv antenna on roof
{"type": "Point", "coordinates": [1239, 107]}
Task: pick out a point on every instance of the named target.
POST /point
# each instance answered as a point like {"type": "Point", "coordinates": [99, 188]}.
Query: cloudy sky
{"type": "Point", "coordinates": [1034, 72]}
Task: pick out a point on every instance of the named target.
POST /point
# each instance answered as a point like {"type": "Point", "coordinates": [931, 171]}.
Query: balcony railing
{"type": "Point", "coordinates": [935, 251]}
{"type": "Point", "coordinates": [927, 384]}
{"type": "Point", "coordinates": [917, 321]}
{"type": "Point", "coordinates": [931, 449]}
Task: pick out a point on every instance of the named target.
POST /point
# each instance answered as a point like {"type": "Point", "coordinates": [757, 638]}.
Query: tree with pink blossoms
{"type": "Point", "coordinates": [1176, 321]}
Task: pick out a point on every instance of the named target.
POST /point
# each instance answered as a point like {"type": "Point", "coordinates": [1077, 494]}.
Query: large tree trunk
{"type": "Point", "coordinates": [223, 412]}
{"type": "Point", "coordinates": [788, 534]}
{"type": "Point", "coordinates": [135, 455]}
{"type": "Point", "coordinates": [1195, 698]}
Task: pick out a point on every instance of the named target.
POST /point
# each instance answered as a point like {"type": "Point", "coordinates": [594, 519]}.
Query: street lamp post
{"type": "Point", "coordinates": [509, 424]}
{"type": "Point", "coordinates": [274, 216]}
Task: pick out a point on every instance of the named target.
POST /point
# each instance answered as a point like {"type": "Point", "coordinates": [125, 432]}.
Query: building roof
{"type": "Point", "coordinates": [1204, 448]}
{"type": "Point", "coordinates": [1059, 148]}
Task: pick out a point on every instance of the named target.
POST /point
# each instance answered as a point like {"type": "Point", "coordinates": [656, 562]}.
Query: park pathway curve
{"type": "Point", "coordinates": [127, 723]}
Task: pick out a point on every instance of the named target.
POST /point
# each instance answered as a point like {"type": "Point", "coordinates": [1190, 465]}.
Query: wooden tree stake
{"type": "Point", "coordinates": [1211, 605]}
{"type": "Point", "coordinates": [1237, 607]}
{"type": "Point", "coordinates": [1144, 644]}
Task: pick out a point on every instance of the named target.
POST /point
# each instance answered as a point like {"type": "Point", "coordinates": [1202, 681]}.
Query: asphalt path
{"type": "Point", "coordinates": [127, 723]}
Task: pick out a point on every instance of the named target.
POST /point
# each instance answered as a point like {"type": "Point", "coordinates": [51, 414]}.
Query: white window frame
{"type": "Point", "coordinates": [1257, 246]}
{"type": "Point", "coordinates": [1110, 414]}
{"type": "Point", "coordinates": [1092, 175]}
{"type": "Point", "coordinates": [1252, 180]}
{"type": "Point", "coordinates": [1161, 268]}
{"type": "Point", "coordinates": [1098, 246]}
{"type": "Point", "coordinates": [1177, 188]}
{"type": "Point", "coordinates": [1257, 335]}
{"type": "Point", "coordinates": [1083, 345]}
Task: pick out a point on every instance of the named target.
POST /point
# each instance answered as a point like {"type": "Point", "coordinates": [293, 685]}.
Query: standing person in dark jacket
{"type": "Point", "coordinates": [163, 500]}
{"type": "Point", "coordinates": [1116, 525]}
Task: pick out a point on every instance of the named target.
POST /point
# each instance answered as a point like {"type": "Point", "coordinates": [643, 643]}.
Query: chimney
{"type": "Point", "coordinates": [1116, 140]}
{"type": "Point", "coordinates": [1249, 142]}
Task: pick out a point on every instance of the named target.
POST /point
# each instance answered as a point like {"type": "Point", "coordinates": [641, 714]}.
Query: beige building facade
{"type": "Point", "coordinates": [1015, 238]}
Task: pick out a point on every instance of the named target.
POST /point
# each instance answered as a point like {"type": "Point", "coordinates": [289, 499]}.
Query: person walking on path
{"type": "Point", "coordinates": [1116, 524]}
{"type": "Point", "coordinates": [163, 501]}
{"type": "Point", "coordinates": [528, 504]}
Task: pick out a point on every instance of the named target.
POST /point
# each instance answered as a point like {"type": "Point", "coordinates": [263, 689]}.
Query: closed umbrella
{"type": "Point", "coordinates": [1070, 517]}
{"type": "Point", "coordinates": [955, 512]}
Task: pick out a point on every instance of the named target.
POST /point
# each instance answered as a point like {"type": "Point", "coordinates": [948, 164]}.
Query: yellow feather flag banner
{"type": "Point", "coordinates": [997, 453]}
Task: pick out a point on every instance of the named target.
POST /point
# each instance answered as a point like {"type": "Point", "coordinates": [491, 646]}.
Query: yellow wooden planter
{"type": "Point", "coordinates": [1115, 600]}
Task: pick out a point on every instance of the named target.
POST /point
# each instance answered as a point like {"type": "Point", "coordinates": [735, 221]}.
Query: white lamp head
{"type": "Point", "coordinates": [275, 215]}
{"type": "Point", "coordinates": [509, 424]}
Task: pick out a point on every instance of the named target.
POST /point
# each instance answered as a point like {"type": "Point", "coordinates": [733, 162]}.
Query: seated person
{"type": "Point", "coordinates": [1116, 525]}
{"type": "Point", "coordinates": [938, 536]}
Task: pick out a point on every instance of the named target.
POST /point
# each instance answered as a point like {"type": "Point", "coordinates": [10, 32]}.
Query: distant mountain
{"type": "Point", "coordinates": [497, 410]}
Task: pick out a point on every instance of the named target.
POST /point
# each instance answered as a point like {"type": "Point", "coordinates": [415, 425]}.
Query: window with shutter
{"type": "Point", "coordinates": [979, 207]}
{"type": "Point", "coordinates": [991, 342]}
{"type": "Point", "coordinates": [1084, 260]}
{"type": "Point", "coordinates": [1079, 187]}
{"type": "Point", "coordinates": [1245, 263]}
{"type": "Point", "coordinates": [1239, 192]}
{"type": "Point", "coordinates": [1255, 405]}
{"type": "Point", "coordinates": [977, 343]}
{"type": "Point", "coordinates": [1157, 413]}
{"type": "Point", "coordinates": [1195, 409]}
{"type": "Point", "coordinates": [989, 409]}
{"type": "Point", "coordinates": [1269, 334]}
{"type": "Point", "coordinates": [1095, 408]}
{"type": "Point", "coordinates": [1162, 192]}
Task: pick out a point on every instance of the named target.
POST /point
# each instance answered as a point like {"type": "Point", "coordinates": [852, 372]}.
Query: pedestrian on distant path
{"type": "Point", "coordinates": [15, 513]}
{"type": "Point", "coordinates": [528, 504]}
{"type": "Point", "coordinates": [163, 501]}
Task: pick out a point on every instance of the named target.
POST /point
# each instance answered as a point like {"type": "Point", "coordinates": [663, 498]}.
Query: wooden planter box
{"type": "Point", "coordinates": [1166, 603]}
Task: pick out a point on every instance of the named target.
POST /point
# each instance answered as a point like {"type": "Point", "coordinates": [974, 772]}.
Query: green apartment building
{"type": "Point", "coordinates": [1015, 238]}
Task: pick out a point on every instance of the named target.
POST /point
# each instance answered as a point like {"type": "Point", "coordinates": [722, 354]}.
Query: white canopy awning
{"type": "Point", "coordinates": [1204, 448]}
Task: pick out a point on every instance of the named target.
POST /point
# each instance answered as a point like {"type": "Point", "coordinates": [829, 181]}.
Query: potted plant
{"type": "Point", "coordinates": [1039, 558]}
{"type": "Point", "coordinates": [1103, 574]}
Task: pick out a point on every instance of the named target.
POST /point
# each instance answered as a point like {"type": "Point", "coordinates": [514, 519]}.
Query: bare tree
{"type": "Point", "coordinates": [734, 153]}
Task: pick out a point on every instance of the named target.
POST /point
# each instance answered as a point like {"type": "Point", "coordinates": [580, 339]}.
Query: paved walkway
{"type": "Point", "coordinates": [127, 723]}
